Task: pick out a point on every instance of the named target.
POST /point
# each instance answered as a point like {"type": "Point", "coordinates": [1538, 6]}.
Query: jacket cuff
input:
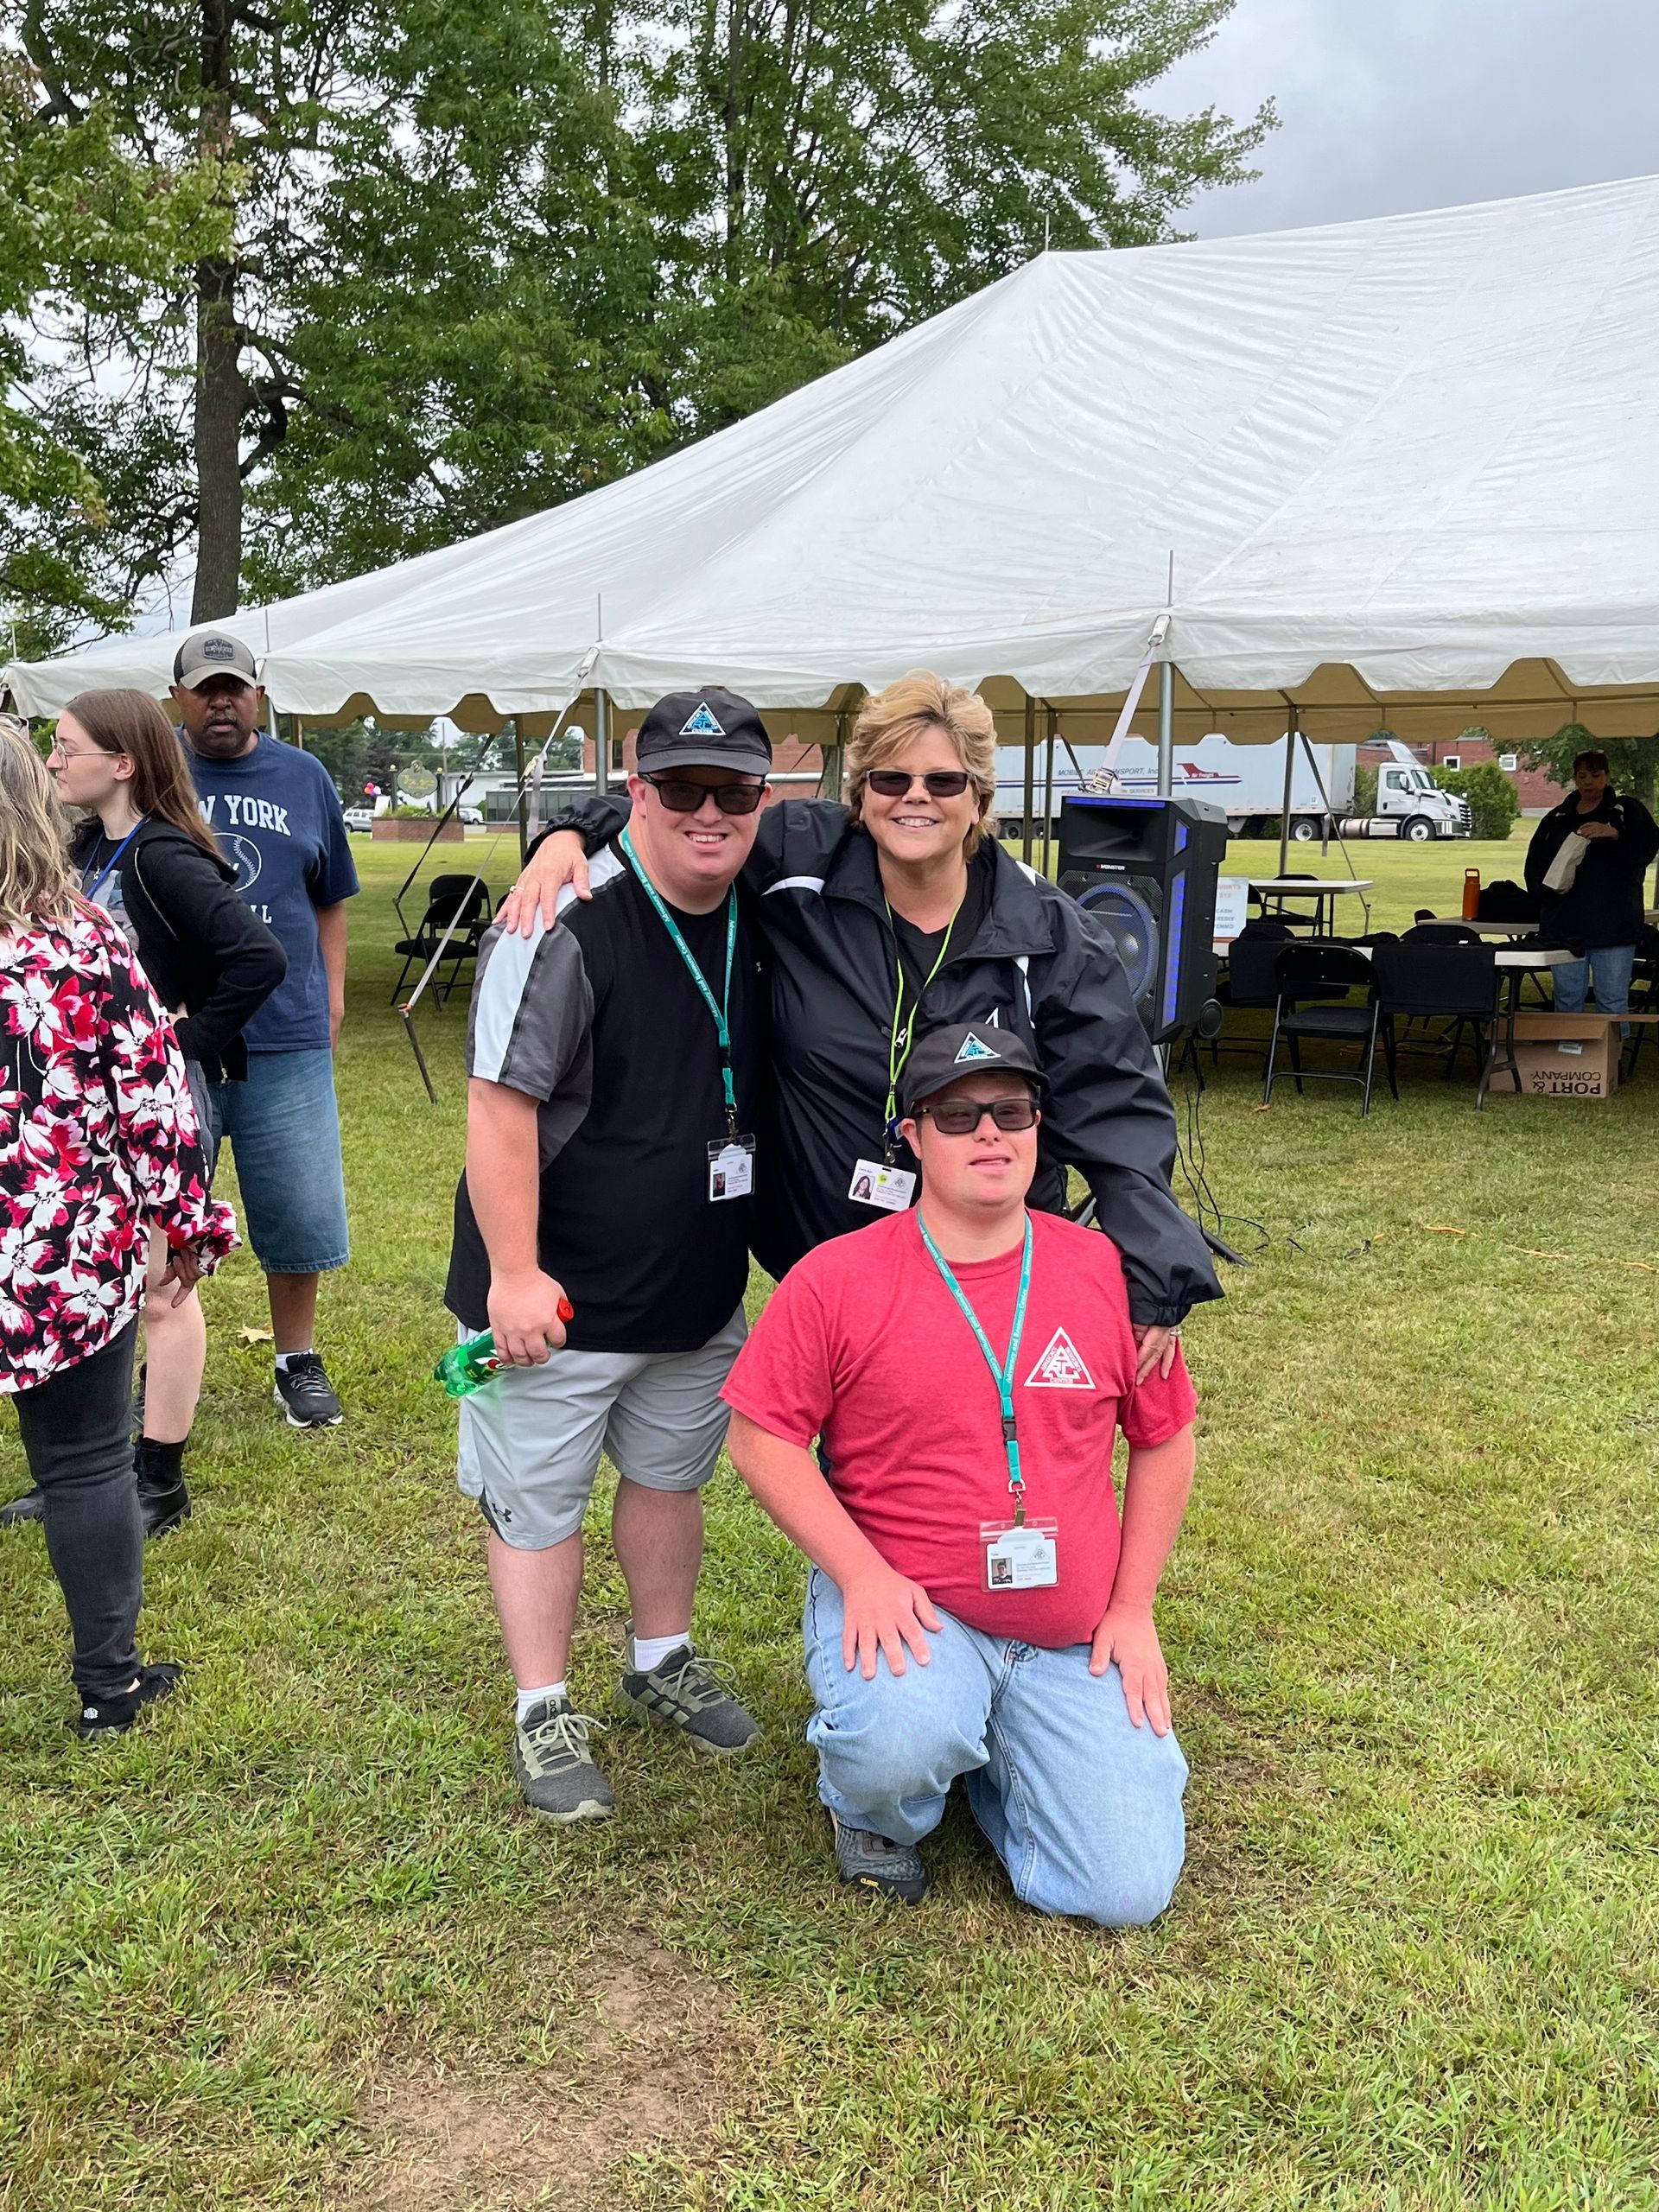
{"type": "Point", "coordinates": [565, 819]}
{"type": "Point", "coordinates": [1146, 1313]}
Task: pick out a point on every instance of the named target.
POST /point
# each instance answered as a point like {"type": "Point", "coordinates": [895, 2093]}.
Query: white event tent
{"type": "Point", "coordinates": [1402, 472]}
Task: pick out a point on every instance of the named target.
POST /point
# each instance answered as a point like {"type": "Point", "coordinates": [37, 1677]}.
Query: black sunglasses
{"type": "Point", "coordinates": [681, 796]}
{"type": "Point", "coordinates": [941, 782]}
{"type": "Point", "coordinates": [960, 1117]}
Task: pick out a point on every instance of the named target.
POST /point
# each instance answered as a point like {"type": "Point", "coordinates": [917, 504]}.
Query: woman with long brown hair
{"type": "Point", "coordinates": [145, 855]}
{"type": "Point", "coordinates": [99, 1151]}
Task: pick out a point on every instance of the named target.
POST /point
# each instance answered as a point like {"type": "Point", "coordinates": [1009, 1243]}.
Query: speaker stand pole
{"type": "Point", "coordinates": [1166, 728]}
{"type": "Point", "coordinates": [1290, 771]}
{"type": "Point", "coordinates": [1048, 788]}
{"type": "Point", "coordinates": [1031, 773]}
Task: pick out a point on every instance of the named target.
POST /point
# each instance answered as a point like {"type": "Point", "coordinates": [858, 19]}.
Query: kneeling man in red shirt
{"type": "Point", "coordinates": [974, 1608]}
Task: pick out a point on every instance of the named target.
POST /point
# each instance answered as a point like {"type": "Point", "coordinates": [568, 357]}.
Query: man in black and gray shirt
{"type": "Point", "coordinates": [610, 1158]}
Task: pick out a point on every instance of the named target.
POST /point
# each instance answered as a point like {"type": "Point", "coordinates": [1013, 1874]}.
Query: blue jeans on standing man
{"type": "Point", "coordinates": [1610, 966]}
{"type": "Point", "coordinates": [1082, 1808]}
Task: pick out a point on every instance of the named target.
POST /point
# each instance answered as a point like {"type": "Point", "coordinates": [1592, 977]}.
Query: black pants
{"type": "Point", "coordinates": [76, 1429]}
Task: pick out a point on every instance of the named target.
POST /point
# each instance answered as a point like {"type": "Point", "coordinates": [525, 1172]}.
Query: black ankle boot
{"type": "Point", "coordinates": [163, 1497]}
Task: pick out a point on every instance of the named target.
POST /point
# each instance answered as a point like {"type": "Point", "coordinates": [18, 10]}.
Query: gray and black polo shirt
{"type": "Point", "coordinates": [599, 1021]}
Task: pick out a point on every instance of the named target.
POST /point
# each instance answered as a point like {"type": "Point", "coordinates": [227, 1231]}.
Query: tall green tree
{"type": "Point", "coordinates": [1633, 761]}
{"type": "Point", "coordinates": [81, 221]}
{"type": "Point", "coordinates": [476, 256]}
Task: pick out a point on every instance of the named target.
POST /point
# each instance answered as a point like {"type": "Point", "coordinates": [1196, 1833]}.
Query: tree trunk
{"type": "Point", "coordinates": [221, 397]}
{"type": "Point", "coordinates": [221, 389]}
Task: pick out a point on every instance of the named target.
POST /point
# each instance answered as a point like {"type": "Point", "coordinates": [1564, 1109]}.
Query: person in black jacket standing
{"type": "Point", "coordinates": [899, 912]}
{"type": "Point", "coordinates": [145, 855]}
{"type": "Point", "coordinates": [1599, 915]}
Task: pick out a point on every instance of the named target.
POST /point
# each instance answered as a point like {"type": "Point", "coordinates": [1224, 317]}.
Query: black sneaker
{"type": "Point", "coordinates": [163, 1499]}
{"type": "Point", "coordinates": [875, 1862]}
{"type": "Point", "coordinates": [693, 1694]}
{"type": "Point", "coordinates": [31, 1506]}
{"type": "Point", "coordinates": [305, 1393]}
{"type": "Point", "coordinates": [556, 1777]}
{"type": "Point", "coordinates": [113, 1716]}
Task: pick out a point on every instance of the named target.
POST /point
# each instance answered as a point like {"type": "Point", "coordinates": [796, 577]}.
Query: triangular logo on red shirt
{"type": "Point", "coordinates": [1060, 1368]}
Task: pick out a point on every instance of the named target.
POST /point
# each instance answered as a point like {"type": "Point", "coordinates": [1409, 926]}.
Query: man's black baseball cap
{"type": "Point", "coordinates": [212, 653]}
{"type": "Point", "coordinates": [703, 729]}
{"type": "Point", "coordinates": [943, 1056]}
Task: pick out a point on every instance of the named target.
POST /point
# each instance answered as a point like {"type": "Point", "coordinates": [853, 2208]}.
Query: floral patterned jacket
{"type": "Point", "coordinates": [98, 1144]}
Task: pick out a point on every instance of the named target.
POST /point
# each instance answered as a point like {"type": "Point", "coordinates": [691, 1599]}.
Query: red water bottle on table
{"type": "Point", "coordinates": [1471, 894]}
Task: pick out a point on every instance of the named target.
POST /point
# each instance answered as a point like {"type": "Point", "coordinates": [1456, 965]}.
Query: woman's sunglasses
{"type": "Point", "coordinates": [940, 783]}
{"type": "Point", "coordinates": [681, 796]}
{"type": "Point", "coordinates": [960, 1117]}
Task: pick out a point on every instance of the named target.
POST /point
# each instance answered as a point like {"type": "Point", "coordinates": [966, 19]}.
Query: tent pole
{"type": "Point", "coordinates": [1031, 775]}
{"type": "Point", "coordinates": [521, 801]}
{"type": "Point", "coordinates": [1166, 728]}
{"type": "Point", "coordinates": [1290, 770]}
{"type": "Point", "coordinates": [601, 742]}
{"type": "Point", "coordinates": [1048, 787]}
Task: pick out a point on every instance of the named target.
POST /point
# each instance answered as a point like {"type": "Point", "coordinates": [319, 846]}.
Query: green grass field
{"type": "Point", "coordinates": [293, 1943]}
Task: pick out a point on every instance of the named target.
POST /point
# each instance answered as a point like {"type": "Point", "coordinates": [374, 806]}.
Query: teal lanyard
{"type": "Point", "coordinates": [102, 874]}
{"type": "Point", "coordinates": [1003, 1373]}
{"type": "Point", "coordinates": [721, 1010]}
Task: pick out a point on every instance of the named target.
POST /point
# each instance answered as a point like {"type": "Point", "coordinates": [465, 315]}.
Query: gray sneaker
{"type": "Point", "coordinates": [693, 1694]}
{"type": "Point", "coordinates": [549, 1756]}
{"type": "Point", "coordinates": [875, 1862]}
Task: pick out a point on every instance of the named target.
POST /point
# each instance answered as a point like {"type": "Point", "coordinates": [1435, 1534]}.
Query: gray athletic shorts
{"type": "Point", "coordinates": [531, 1438]}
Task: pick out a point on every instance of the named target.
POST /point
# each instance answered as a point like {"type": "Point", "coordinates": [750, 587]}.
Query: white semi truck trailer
{"type": "Point", "coordinates": [1247, 782]}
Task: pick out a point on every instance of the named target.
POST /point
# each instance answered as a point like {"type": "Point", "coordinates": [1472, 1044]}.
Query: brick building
{"type": "Point", "coordinates": [1537, 791]}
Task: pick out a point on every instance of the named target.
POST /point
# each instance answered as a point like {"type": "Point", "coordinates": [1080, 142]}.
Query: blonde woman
{"type": "Point", "coordinates": [98, 1146]}
{"type": "Point", "coordinates": [894, 914]}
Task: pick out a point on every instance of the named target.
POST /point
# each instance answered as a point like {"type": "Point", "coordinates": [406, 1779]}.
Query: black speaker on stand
{"type": "Point", "coordinates": [1146, 869]}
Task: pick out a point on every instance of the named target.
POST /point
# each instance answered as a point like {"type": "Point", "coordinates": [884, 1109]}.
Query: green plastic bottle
{"type": "Point", "coordinates": [469, 1367]}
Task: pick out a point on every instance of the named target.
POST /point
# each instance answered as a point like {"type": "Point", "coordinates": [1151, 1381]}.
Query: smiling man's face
{"type": "Point", "coordinates": [221, 716]}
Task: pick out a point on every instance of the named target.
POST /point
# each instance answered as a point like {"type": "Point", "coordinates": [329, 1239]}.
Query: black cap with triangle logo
{"type": "Point", "coordinates": [960, 1048]}
{"type": "Point", "coordinates": [703, 729]}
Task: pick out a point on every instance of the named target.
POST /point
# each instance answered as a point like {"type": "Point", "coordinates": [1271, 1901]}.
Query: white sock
{"type": "Point", "coordinates": [650, 1651]}
{"type": "Point", "coordinates": [529, 1698]}
{"type": "Point", "coordinates": [283, 1357]}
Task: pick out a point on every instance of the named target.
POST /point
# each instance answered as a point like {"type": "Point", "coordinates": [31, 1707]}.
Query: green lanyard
{"type": "Point", "coordinates": [1002, 1374]}
{"type": "Point", "coordinates": [896, 1055]}
{"type": "Point", "coordinates": [721, 1011]}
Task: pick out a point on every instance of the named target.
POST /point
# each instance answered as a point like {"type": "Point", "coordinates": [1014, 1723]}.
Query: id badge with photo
{"type": "Point", "coordinates": [1022, 1556]}
{"type": "Point", "coordinates": [731, 1168]}
{"type": "Point", "coordinates": [876, 1184]}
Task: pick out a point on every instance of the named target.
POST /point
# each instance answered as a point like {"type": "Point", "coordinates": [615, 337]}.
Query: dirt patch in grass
{"type": "Point", "coordinates": [656, 2065]}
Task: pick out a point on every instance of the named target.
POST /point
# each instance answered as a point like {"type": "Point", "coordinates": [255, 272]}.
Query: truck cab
{"type": "Point", "coordinates": [1409, 797]}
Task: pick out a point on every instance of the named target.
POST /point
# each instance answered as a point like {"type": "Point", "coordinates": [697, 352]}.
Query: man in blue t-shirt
{"type": "Point", "coordinates": [277, 815]}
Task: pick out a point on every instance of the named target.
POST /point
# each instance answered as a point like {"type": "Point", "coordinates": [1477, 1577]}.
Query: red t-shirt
{"type": "Point", "coordinates": [863, 1342]}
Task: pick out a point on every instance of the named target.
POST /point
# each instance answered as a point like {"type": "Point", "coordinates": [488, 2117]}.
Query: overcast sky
{"type": "Point", "coordinates": [1389, 105]}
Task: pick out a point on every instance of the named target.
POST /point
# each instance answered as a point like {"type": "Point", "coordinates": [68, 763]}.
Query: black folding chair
{"type": "Point", "coordinates": [1251, 981]}
{"type": "Point", "coordinates": [1316, 983]}
{"type": "Point", "coordinates": [463, 900]}
{"type": "Point", "coordinates": [1435, 981]}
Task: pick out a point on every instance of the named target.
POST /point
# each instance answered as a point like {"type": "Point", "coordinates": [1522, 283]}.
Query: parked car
{"type": "Point", "coordinates": [359, 819]}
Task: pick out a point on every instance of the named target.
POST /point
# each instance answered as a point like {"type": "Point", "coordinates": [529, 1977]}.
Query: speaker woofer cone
{"type": "Point", "coordinates": [1133, 927]}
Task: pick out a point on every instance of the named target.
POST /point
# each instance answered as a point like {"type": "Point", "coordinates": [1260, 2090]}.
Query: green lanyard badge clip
{"type": "Point", "coordinates": [901, 1035]}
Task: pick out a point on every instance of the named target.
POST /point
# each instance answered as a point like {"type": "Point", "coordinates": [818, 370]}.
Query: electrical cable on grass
{"type": "Point", "coordinates": [1192, 1157]}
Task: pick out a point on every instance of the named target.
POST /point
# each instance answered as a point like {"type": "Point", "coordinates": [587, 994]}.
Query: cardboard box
{"type": "Point", "coordinates": [1563, 1056]}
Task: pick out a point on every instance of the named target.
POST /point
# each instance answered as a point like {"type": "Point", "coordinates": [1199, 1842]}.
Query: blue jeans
{"type": "Point", "coordinates": [284, 1128]}
{"type": "Point", "coordinates": [1611, 966]}
{"type": "Point", "coordinates": [1082, 1808]}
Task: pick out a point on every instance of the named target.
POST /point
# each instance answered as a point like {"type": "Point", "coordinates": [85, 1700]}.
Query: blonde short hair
{"type": "Point", "coordinates": [888, 719]}
{"type": "Point", "coordinates": [34, 881]}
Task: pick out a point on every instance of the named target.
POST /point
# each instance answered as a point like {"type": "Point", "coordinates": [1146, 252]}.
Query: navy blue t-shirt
{"type": "Point", "coordinates": [277, 815]}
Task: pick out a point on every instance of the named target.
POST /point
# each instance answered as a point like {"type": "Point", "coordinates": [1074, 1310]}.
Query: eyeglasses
{"type": "Point", "coordinates": [940, 783]}
{"type": "Point", "coordinates": [960, 1117]}
{"type": "Point", "coordinates": [681, 796]}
